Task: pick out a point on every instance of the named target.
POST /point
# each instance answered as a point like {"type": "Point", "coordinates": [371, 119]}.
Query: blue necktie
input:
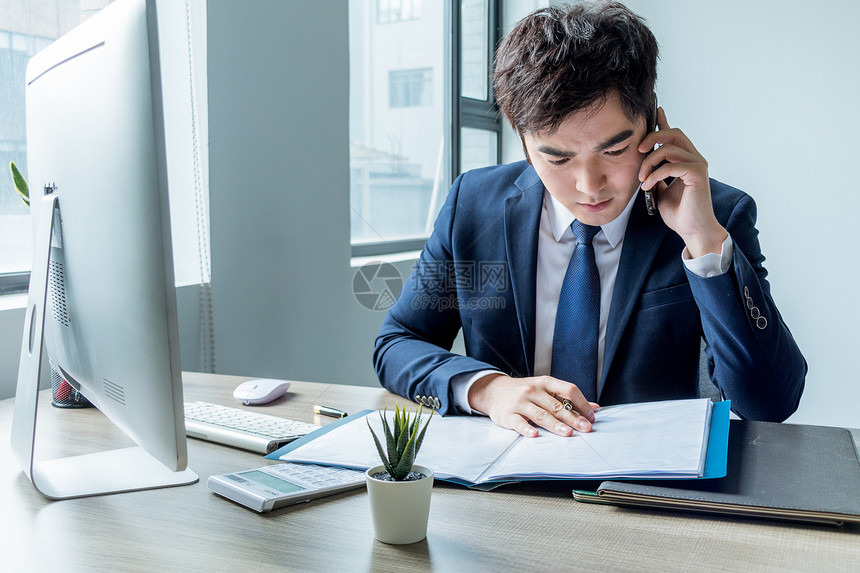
{"type": "Point", "coordinates": [577, 323]}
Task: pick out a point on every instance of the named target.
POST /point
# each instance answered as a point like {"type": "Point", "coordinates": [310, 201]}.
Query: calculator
{"type": "Point", "coordinates": [274, 486]}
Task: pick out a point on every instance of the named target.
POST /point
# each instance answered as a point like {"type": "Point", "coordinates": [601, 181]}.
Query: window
{"type": "Point", "coordinates": [23, 32]}
{"type": "Point", "coordinates": [478, 148]}
{"type": "Point", "coordinates": [411, 130]}
{"type": "Point", "coordinates": [28, 29]}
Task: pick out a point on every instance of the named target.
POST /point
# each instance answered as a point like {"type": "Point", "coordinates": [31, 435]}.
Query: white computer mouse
{"type": "Point", "coordinates": [260, 390]}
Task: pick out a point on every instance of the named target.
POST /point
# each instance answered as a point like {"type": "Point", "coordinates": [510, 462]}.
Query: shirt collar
{"type": "Point", "coordinates": [560, 219]}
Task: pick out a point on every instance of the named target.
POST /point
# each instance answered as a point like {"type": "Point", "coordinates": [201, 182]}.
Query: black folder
{"type": "Point", "coordinates": [783, 471]}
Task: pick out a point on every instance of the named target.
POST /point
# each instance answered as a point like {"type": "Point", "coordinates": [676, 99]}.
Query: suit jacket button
{"type": "Point", "coordinates": [761, 323]}
{"type": "Point", "coordinates": [437, 402]}
{"type": "Point", "coordinates": [755, 313]}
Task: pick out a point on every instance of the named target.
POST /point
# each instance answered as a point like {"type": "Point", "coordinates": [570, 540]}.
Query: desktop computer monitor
{"type": "Point", "coordinates": [95, 139]}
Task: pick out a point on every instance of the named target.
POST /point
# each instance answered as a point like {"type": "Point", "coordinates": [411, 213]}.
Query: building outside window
{"type": "Point", "coordinates": [409, 132]}
{"type": "Point", "coordinates": [398, 140]}
{"type": "Point", "coordinates": [410, 88]}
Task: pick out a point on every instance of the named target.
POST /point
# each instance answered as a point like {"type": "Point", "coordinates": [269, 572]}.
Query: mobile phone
{"type": "Point", "coordinates": [651, 121]}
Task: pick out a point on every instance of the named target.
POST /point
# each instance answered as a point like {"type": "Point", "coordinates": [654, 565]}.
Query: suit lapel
{"type": "Point", "coordinates": [642, 240]}
{"type": "Point", "coordinates": [522, 219]}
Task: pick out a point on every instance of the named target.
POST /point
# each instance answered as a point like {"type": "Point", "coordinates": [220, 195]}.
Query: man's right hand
{"type": "Point", "coordinates": [518, 403]}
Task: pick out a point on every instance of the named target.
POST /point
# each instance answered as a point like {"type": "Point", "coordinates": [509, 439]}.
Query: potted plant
{"type": "Point", "coordinates": [399, 490]}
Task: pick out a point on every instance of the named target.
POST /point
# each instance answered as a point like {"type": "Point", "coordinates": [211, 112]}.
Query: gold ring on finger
{"type": "Point", "coordinates": [568, 405]}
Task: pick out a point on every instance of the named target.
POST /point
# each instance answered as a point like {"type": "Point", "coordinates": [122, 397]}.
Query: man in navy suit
{"type": "Point", "coordinates": [578, 87]}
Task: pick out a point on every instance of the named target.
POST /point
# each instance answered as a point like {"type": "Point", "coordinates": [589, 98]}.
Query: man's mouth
{"type": "Point", "coordinates": [596, 207]}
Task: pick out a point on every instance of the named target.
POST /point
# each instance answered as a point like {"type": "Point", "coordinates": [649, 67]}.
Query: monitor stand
{"type": "Point", "coordinates": [113, 471]}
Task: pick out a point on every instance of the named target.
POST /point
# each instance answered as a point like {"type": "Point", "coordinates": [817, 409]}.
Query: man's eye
{"type": "Point", "coordinates": [561, 161]}
{"type": "Point", "coordinates": [617, 152]}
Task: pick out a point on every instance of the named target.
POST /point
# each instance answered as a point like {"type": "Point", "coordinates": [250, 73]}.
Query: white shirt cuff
{"type": "Point", "coordinates": [711, 264]}
{"type": "Point", "coordinates": [460, 385]}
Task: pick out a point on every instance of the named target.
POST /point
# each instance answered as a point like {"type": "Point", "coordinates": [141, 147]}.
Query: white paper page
{"type": "Point", "coordinates": [630, 440]}
{"type": "Point", "coordinates": [454, 447]}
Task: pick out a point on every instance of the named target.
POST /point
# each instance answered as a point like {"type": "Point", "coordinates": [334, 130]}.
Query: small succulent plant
{"type": "Point", "coordinates": [402, 441]}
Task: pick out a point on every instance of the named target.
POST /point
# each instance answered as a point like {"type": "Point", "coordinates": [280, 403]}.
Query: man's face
{"type": "Point", "coordinates": [591, 163]}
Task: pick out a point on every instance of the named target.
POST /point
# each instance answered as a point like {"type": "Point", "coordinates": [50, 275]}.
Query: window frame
{"type": "Point", "coordinates": [464, 112]}
{"type": "Point", "coordinates": [470, 112]}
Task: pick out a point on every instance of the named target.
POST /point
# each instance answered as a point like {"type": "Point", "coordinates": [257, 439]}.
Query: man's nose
{"type": "Point", "coordinates": [590, 178]}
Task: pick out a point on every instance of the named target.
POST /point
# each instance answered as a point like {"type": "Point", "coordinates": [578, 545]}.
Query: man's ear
{"type": "Point", "coordinates": [525, 149]}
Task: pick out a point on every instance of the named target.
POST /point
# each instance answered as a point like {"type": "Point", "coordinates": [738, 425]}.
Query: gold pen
{"type": "Point", "coordinates": [326, 411]}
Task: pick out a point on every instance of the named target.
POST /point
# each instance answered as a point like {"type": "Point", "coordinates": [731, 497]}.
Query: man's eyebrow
{"type": "Point", "coordinates": [615, 140]}
{"type": "Point", "coordinates": [549, 150]}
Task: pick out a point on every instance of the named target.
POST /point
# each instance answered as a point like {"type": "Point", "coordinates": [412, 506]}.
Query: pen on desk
{"type": "Point", "coordinates": [326, 411]}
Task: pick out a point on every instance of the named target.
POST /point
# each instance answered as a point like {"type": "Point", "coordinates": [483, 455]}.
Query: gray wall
{"type": "Point", "coordinates": [279, 191]}
{"type": "Point", "coordinates": [767, 91]}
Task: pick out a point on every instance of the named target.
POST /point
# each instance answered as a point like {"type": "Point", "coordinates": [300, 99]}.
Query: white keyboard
{"type": "Point", "coordinates": [261, 433]}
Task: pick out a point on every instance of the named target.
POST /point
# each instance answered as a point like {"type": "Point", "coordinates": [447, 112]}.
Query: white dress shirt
{"type": "Point", "coordinates": [555, 247]}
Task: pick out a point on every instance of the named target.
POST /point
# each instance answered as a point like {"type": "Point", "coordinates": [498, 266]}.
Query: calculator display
{"type": "Point", "coordinates": [271, 481]}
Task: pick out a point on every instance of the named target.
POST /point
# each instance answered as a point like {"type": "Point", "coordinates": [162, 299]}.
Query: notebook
{"type": "Point", "coordinates": [783, 471]}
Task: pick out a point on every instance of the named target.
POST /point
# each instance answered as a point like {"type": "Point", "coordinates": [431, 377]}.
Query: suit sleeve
{"type": "Point", "coordinates": [412, 355]}
{"type": "Point", "coordinates": [752, 357]}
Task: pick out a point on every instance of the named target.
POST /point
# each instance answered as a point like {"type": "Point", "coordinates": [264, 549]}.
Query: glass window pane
{"type": "Point", "coordinates": [23, 32]}
{"type": "Point", "coordinates": [410, 88]}
{"type": "Point", "coordinates": [478, 148]}
{"type": "Point", "coordinates": [474, 53]}
{"type": "Point", "coordinates": [399, 157]}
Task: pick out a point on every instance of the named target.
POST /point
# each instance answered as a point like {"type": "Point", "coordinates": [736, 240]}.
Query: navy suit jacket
{"type": "Point", "coordinates": [477, 273]}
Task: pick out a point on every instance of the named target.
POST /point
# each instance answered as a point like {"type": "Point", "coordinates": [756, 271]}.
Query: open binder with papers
{"type": "Point", "coordinates": [678, 439]}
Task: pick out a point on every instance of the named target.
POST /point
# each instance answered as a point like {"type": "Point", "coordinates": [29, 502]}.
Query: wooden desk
{"type": "Point", "coordinates": [531, 527]}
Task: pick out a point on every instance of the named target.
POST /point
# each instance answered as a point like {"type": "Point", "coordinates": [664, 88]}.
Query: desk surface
{"type": "Point", "coordinates": [527, 527]}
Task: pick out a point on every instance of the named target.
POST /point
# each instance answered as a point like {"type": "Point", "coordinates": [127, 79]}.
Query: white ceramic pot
{"type": "Point", "coordinates": [400, 509]}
